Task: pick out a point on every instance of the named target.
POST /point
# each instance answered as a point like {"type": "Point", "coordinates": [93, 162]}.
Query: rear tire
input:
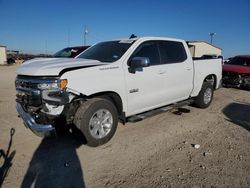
{"type": "Point", "coordinates": [97, 119]}
{"type": "Point", "coordinates": [205, 97]}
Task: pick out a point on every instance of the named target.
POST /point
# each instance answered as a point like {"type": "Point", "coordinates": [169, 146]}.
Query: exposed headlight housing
{"type": "Point", "coordinates": [44, 86]}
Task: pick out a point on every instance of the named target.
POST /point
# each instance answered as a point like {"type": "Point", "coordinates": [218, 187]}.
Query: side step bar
{"type": "Point", "coordinates": [154, 112]}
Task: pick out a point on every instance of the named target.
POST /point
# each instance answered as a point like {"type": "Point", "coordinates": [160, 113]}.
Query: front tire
{"type": "Point", "coordinates": [205, 97]}
{"type": "Point", "coordinates": [97, 119]}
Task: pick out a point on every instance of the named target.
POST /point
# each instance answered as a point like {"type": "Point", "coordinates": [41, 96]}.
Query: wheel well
{"type": "Point", "coordinates": [212, 79]}
{"type": "Point", "coordinates": [113, 97]}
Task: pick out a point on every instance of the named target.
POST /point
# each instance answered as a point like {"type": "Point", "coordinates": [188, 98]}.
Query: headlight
{"type": "Point", "coordinates": [48, 86]}
{"type": "Point", "coordinates": [57, 84]}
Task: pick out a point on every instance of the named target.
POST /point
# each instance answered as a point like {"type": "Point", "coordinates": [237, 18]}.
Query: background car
{"type": "Point", "coordinates": [70, 52]}
{"type": "Point", "coordinates": [236, 72]}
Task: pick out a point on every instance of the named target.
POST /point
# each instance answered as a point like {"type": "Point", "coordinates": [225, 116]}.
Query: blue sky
{"type": "Point", "coordinates": [49, 25]}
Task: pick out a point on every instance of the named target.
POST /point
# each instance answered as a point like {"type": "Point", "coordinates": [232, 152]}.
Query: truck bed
{"type": "Point", "coordinates": [203, 67]}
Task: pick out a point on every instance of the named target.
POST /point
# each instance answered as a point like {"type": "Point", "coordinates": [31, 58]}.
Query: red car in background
{"type": "Point", "coordinates": [236, 72]}
{"type": "Point", "coordinates": [70, 52]}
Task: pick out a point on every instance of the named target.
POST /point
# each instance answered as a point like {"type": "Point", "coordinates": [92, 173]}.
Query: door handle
{"type": "Point", "coordinates": [188, 68]}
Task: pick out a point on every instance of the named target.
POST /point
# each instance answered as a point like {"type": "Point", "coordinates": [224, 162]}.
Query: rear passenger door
{"type": "Point", "coordinates": [177, 71]}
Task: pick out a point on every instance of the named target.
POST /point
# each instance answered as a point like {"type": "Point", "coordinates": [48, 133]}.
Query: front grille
{"type": "Point", "coordinates": [25, 84]}
{"type": "Point", "coordinates": [27, 92]}
{"type": "Point", "coordinates": [28, 98]}
{"type": "Point", "coordinates": [231, 78]}
{"type": "Point", "coordinates": [226, 73]}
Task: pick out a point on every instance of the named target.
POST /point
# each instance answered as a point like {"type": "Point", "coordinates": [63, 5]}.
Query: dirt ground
{"type": "Point", "coordinates": [156, 152]}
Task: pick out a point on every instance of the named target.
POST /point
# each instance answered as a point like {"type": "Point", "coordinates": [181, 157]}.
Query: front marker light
{"type": "Point", "coordinates": [63, 83]}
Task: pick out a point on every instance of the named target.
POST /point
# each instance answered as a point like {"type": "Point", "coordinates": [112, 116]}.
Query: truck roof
{"type": "Point", "coordinates": [243, 56]}
{"type": "Point", "coordinates": [148, 38]}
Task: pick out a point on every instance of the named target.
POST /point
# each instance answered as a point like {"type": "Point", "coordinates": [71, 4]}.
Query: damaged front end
{"type": "Point", "coordinates": [42, 102]}
{"type": "Point", "coordinates": [232, 79]}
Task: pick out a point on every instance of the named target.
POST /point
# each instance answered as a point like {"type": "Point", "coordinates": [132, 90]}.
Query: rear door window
{"type": "Point", "coordinates": [246, 62]}
{"type": "Point", "coordinates": [172, 52]}
{"type": "Point", "coordinates": [240, 61]}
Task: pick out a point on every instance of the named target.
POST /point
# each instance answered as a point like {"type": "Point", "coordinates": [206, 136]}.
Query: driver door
{"type": "Point", "coordinates": [145, 85]}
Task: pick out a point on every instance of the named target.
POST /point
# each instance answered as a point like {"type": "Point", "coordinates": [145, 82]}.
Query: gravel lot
{"type": "Point", "coordinates": [156, 152]}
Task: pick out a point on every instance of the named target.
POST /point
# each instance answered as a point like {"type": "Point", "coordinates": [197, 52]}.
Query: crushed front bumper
{"type": "Point", "coordinates": [39, 129]}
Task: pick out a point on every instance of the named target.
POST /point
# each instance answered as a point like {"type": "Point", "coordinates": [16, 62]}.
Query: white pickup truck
{"type": "Point", "coordinates": [111, 81]}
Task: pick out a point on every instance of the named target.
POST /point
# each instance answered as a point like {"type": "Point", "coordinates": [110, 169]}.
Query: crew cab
{"type": "Point", "coordinates": [236, 72]}
{"type": "Point", "coordinates": [112, 81]}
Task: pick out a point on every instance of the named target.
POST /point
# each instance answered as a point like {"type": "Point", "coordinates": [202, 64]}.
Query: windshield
{"type": "Point", "coordinates": [239, 61]}
{"type": "Point", "coordinates": [70, 52]}
{"type": "Point", "coordinates": [66, 52]}
{"type": "Point", "coordinates": [107, 51]}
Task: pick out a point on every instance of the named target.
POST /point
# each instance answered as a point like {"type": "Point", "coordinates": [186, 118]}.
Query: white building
{"type": "Point", "coordinates": [200, 48]}
{"type": "Point", "coordinates": [3, 56]}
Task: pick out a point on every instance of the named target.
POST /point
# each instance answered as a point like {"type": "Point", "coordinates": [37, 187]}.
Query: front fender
{"type": "Point", "coordinates": [100, 79]}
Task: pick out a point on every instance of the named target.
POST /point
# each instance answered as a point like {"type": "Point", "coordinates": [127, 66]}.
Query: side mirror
{"type": "Point", "coordinates": [139, 62]}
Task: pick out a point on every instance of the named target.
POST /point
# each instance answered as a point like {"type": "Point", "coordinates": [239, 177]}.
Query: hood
{"type": "Point", "coordinates": [53, 66]}
{"type": "Point", "coordinates": [236, 68]}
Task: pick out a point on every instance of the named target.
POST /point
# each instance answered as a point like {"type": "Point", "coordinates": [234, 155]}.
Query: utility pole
{"type": "Point", "coordinates": [212, 37]}
{"type": "Point", "coordinates": [68, 37]}
{"type": "Point", "coordinates": [46, 48]}
{"type": "Point", "coordinates": [85, 36]}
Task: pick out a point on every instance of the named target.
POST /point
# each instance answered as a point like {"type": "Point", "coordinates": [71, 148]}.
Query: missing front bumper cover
{"type": "Point", "coordinates": [39, 129]}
